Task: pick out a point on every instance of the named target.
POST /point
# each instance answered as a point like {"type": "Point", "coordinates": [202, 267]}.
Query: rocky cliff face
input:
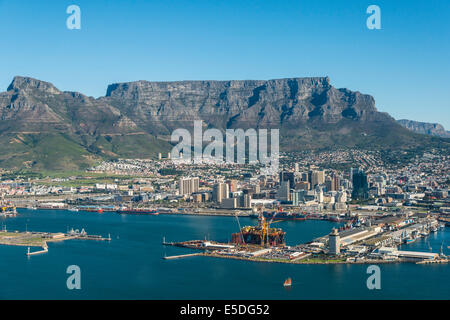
{"type": "Point", "coordinates": [36, 118]}
{"type": "Point", "coordinates": [161, 106]}
{"type": "Point", "coordinates": [433, 129]}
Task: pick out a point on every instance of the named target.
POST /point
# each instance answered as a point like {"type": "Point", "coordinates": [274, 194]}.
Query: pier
{"type": "Point", "coordinates": [183, 256]}
{"type": "Point", "coordinates": [44, 250]}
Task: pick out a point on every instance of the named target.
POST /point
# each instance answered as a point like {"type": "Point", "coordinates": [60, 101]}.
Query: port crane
{"type": "Point", "coordinates": [265, 226]}
{"type": "Point", "coordinates": [240, 229]}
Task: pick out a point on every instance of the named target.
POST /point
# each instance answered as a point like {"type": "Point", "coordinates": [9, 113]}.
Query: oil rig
{"type": "Point", "coordinates": [261, 235]}
{"type": "Point", "coordinates": [8, 210]}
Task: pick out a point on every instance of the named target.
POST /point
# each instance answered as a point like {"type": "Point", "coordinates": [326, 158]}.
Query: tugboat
{"type": "Point", "coordinates": [287, 282]}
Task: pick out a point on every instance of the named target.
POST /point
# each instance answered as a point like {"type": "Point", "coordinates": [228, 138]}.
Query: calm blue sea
{"type": "Point", "coordinates": [131, 265]}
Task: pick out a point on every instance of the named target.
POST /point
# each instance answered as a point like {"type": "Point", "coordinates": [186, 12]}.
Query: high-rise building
{"type": "Point", "coordinates": [360, 185]}
{"type": "Point", "coordinates": [287, 176]}
{"type": "Point", "coordinates": [188, 185]}
{"type": "Point", "coordinates": [332, 183]}
{"type": "Point", "coordinates": [220, 192]}
{"type": "Point", "coordinates": [305, 177]}
{"type": "Point", "coordinates": [284, 191]}
{"type": "Point", "coordinates": [334, 242]}
{"type": "Point", "coordinates": [317, 178]}
{"type": "Point", "coordinates": [298, 196]}
{"type": "Point", "coordinates": [232, 184]}
{"type": "Point", "coordinates": [245, 201]}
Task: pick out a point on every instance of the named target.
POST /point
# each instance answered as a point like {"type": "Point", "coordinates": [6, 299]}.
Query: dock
{"type": "Point", "coordinates": [183, 256]}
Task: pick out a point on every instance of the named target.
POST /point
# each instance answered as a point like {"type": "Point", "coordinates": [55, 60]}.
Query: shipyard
{"type": "Point", "coordinates": [360, 241]}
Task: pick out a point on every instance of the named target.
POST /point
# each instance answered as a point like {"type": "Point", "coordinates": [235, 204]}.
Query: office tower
{"type": "Point", "coordinates": [332, 183]}
{"type": "Point", "coordinates": [287, 176]}
{"type": "Point", "coordinates": [297, 167]}
{"type": "Point", "coordinates": [304, 176]}
{"type": "Point", "coordinates": [328, 184]}
{"type": "Point", "coordinates": [317, 178]}
{"type": "Point", "coordinates": [284, 191]}
{"type": "Point", "coordinates": [360, 185]}
{"type": "Point", "coordinates": [232, 184]}
{"type": "Point", "coordinates": [336, 183]}
{"type": "Point", "coordinates": [298, 196]}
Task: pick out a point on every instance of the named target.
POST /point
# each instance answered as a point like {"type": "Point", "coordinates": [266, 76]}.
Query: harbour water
{"type": "Point", "coordinates": [130, 266]}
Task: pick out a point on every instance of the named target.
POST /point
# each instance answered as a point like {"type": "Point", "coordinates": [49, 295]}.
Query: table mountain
{"type": "Point", "coordinates": [44, 128]}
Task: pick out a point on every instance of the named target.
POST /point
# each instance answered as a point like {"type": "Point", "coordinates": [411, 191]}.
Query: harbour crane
{"type": "Point", "coordinates": [240, 229]}
{"type": "Point", "coordinates": [265, 227]}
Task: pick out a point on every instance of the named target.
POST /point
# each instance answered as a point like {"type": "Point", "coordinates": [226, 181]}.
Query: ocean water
{"type": "Point", "coordinates": [131, 265]}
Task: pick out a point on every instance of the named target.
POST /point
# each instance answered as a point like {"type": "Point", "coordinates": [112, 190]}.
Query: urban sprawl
{"type": "Point", "coordinates": [376, 205]}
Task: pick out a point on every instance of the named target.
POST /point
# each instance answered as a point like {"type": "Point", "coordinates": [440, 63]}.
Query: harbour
{"type": "Point", "coordinates": [140, 272]}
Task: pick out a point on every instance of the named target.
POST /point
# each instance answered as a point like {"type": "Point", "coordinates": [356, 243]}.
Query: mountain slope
{"type": "Point", "coordinates": [433, 129]}
{"type": "Point", "coordinates": [44, 128]}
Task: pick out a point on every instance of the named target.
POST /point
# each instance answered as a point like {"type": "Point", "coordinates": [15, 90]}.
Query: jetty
{"type": "Point", "coordinates": [183, 256]}
{"type": "Point", "coordinates": [41, 239]}
{"type": "Point", "coordinates": [44, 250]}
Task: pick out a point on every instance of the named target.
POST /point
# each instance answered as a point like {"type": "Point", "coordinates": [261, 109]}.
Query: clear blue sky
{"type": "Point", "coordinates": [405, 66]}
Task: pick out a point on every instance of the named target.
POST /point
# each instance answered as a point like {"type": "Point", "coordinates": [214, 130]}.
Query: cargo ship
{"type": "Point", "coordinates": [142, 211]}
{"type": "Point", "coordinates": [90, 209]}
{"type": "Point", "coordinates": [285, 216]}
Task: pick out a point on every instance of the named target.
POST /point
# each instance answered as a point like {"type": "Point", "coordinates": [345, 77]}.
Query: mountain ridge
{"type": "Point", "coordinates": [135, 119]}
{"type": "Point", "coordinates": [434, 129]}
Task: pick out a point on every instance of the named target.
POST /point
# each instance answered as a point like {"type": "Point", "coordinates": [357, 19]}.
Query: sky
{"type": "Point", "coordinates": [405, 65]}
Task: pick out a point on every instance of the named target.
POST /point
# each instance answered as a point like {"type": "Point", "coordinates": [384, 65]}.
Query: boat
{"type": "Point", "coordinates": [413, 237]}
{"type": "Point", "coordinates": [287, 282]}
{"type": "Point", "coordinates": [334, 218]}
{"type": "Point", "coordinates": [142, 211]}
{"type": "Point", "coordinates": [73, 209]}
{"type": "Point", "coordinates": [445, 221]}
{"type": "Point", "coordinates": [410, 240]}
{"type": "Point", "coordinates": [285, 216]}
{"type": "Point", "coordinates": [90, 209]}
